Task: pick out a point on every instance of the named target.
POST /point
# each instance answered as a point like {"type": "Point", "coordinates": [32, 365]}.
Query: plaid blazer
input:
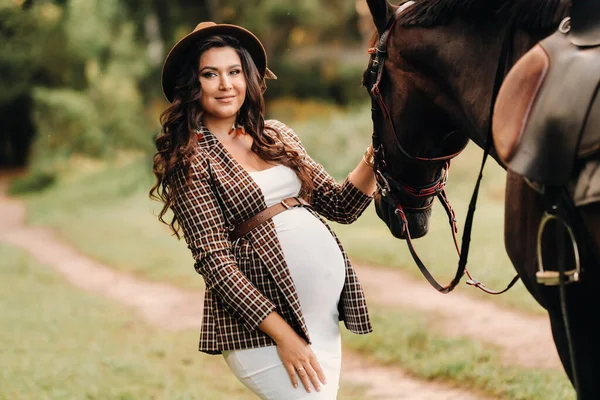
{"type": "Point", "coordinates": [248, 279]}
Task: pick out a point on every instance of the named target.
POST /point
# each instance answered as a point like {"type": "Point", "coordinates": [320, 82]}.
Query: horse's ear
{"type": "Point", "coordinates": [381, 10]}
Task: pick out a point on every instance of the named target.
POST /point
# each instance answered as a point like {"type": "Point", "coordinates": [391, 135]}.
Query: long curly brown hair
{"type": "Point", "coordinates": [176, 141]}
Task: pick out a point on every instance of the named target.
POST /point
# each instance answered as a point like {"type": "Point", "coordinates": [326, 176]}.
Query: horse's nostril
{"type": "Point", "coordinates": [417, 223]}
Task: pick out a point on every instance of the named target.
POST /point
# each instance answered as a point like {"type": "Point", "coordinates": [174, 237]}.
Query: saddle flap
{"type": "Point", "coordinates": [547, 144]}
{"type": "Point", "coordinates": [515, 101]}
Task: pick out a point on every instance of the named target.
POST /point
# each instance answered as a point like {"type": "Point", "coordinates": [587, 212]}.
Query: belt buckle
{"type": "Point", "coordinates": [287, 206]}
{"type": "Point", "coordinates": [283, 203]}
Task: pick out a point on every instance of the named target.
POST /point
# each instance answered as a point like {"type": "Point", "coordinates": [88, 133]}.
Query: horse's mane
{"type": "Point", "coordinates": [526, 14]}
{"type": "Point", "coordinates": [529, 14]}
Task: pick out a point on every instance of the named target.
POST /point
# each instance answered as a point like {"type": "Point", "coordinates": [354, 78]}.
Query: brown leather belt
{"type": "Point", "coordinates": [265, 215]}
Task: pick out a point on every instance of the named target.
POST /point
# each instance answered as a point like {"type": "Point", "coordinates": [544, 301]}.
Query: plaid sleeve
{"type": "Point", "coordinates": [342, 203]}
{"type": "Point", "coordinates": [204, 230]}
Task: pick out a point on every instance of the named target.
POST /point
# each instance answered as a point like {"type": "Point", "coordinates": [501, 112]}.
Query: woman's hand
{"type": "Point", "coordinates": [300, 361]}
{"type": "Point", "coordinates": [295, 353]}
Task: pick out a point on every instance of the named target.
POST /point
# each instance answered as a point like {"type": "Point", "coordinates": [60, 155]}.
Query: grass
{"type": "Point", "coordinates": [412, 341]}
{"type": "Point", "coordinates": [107, 215]}
{"type": "Point", "coordinates": [61, 343]}
{"type": "Point", "coordinates": [64, 343]}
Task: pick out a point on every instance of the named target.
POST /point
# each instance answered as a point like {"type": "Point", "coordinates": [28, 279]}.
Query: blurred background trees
{"type": "Point", "coordinates": [83, 76]}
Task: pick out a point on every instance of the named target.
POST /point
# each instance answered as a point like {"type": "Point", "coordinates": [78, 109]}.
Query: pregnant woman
{"type": "Point", "coordinates": [250, 203]}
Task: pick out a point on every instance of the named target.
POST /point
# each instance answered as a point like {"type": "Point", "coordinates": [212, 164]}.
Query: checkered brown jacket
{"type": "Point", "coordinates": [248, 279]}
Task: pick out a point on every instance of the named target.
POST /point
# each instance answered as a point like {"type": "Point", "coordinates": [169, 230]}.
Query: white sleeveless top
{"type": "Point", "coordinates": [312, 255]}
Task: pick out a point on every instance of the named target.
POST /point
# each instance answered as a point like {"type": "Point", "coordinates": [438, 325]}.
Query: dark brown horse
{"type": "Point", "coordinates": [443, 63]}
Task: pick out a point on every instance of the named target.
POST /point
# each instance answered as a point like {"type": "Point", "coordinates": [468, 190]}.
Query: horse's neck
{"type": "Point", "coordinates": [472, 78]}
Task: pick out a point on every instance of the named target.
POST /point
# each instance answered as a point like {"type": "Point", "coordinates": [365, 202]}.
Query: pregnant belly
{"type": "Point", "coordinates": [314, 259]}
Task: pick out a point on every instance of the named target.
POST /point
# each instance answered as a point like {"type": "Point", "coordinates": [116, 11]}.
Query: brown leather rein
{"type": "Point", "coordinates": [388, 185]}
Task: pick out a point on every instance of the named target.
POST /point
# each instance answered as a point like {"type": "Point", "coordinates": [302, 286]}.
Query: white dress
{"type": "Point", "coordinates": [318, 271]}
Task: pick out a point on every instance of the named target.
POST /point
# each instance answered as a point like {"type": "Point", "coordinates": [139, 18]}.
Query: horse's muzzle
{"type": "Point", "coordinates": [418, 221]}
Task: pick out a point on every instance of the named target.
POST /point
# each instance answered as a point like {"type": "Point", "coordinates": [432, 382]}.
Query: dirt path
{"type": "Point", "coordinates": [525, 340]}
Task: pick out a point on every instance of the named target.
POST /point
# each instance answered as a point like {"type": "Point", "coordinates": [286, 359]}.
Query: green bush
{"type": "Point", "coordinates": [67, 121]}
{"type": "Point", "coordinates": [35, 181]}
{"type": "Point", "coordinates": [331, 80]}
{"type": "Point", "coordinates": [86, 99]}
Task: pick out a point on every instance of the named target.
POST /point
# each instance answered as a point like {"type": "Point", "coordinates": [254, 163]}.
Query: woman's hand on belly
{"type": "Point", "coordinates": [295, 353]}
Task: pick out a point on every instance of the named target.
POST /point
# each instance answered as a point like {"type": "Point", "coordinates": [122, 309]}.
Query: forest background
{"type": "Point", "coordinates": [83, 76]}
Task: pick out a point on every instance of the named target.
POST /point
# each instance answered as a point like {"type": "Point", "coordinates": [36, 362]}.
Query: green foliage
{"type": "Point", "coordinates": [24, 35]}
{"type": "Point", "coordinates": [325, 31]}
{"type": "Point", "coordinates": [67, 122]}
{"type": "Point", "coordinates": [277, 22]}
{"type": "Point", "coordinates": [102, 111]}
{"type": "Point", "coordinates": [34, 181]}
{"type": "Point", "coordinates": [91, 36]}
{"type": "Point", "coordinates": [93, 66]}
{"type": "Point", "coordinates": [330, 79]}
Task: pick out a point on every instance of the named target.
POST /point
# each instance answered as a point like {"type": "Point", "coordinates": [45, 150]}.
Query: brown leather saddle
{"type": "Point", "coordinates": [546, 124]}
{"type": "Point", "coordinates": [547, 114]}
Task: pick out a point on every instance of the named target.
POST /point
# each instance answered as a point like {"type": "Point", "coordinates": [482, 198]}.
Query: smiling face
{"type": "Point", "coordinates": [223, 84]}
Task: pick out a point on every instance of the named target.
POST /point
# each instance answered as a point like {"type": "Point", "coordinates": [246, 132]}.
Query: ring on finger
{"type": "Point", "coordinates": [300, 369]}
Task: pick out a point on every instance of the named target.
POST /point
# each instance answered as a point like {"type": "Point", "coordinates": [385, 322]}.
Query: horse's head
{"type": "Point", "coordinates": [416, 122]}
{"type": "Point", "coordinates": [432, 86]}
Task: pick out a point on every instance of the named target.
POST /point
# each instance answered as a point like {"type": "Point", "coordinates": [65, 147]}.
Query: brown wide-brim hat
{"type": "Point", "coordinates": [178, 53]}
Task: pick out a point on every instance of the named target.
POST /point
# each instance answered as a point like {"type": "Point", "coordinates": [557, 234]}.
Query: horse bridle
{"type": "Point", "coordinates": [387, 184]}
